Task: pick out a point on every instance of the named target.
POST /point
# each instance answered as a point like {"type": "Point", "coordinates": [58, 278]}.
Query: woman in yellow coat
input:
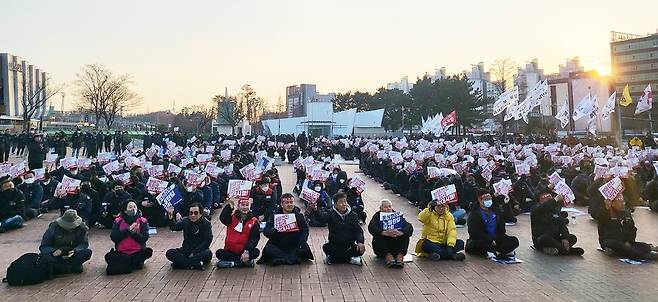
{"type": "Point", "coordinates": [439, 236]}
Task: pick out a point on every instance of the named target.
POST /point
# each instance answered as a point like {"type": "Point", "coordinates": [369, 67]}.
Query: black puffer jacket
{"type": "Point", "coordinates": [197, 236]}
{"type": "Point", "coordinates": [343, 229]}
{"type": "Point", "coordinates": [545, 219]}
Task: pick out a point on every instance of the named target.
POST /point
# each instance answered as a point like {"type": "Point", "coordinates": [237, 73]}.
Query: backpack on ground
{"type": "Point", "coordinates": [28, 269]}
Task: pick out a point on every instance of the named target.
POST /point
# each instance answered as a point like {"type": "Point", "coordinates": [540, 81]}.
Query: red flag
{"type": "Point", "coordinates": [449, 120]}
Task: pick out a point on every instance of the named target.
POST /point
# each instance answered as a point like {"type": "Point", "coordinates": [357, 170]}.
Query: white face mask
{"type": "Point", "coordinates": [46, 182]}
{"type": "Point", "coordinates": [29, 181]}
{"type": "Point", "coordinates": [74, 172]}
{"type": "Point", "coordinates": [190, 189]}
{"type": "Point", "coordinates": [317, 189]}
{"type": "Point", "coordinates": [342, 181]}
{"type": "Point", "coordinates": [103, 179]}
{"type": "Point", "coordinates": [264, 188]}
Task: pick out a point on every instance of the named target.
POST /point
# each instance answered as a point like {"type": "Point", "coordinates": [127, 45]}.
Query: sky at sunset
{"type": "Point", "coordinates": [188, 51]}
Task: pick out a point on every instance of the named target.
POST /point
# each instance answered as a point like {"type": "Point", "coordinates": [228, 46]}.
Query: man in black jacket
{"type": "Point", "coordinates": [617, 232]}
{"type": "Point", "coordinates": [391, 244]}
{"type": "Point", "coordinates": [486, 230]}
{"type": "Point", "coordinates": [36, 154]}
{"type": "Point", "coordinates": [549, 228]}
{"type": "Point", "coordinates": [65, 243]}
{"type": "Point", "coordinates": [287, 244]}
{"type": "Point", "coordinates": [12, 205]}
{"type": "Point", "coordinates": [345, 234]}
{"type": "Point", "coordinates": [197, 236]}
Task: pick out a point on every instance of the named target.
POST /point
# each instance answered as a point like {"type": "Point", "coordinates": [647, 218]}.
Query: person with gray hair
{"type": "Point", "coordinates": [390, 234]}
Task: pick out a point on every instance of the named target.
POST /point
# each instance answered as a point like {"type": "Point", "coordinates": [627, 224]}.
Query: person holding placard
{"type": "Point", "coordinates": [12, 205]}
{"type": "Point", "coordinates": [33, 193]}
{"type": "Point", "coordinates": [355, 201]}
{"type": "Point", "coordinates": [390, 234]}
{"type": "Point", "coordinates": [549, 227]}
{"type": "Point", "coordinates": [264, 198]}
{"type": "Point", "coordinates": [287, 232]}
{"type": "Point", "coordinates": [486, 230]}
{"type": "Point", "coordinates": [111, 205]}
{"type": "Point", "coordinates": [129, 234]}
{"type": "Point", "coordinates": [65, 243]}
{"type": "Point", "coordinates": [439, 236]}
{"type": "Point", "coordinates": [197, 236]}
{"type": "Point", "coordinates": [242, 235]}
{"type": "Point", "coordinates": [346, 241]}
{"type": "Point", "coordinates": [581, 182]}
{"type": "Point", "coordinates": [617, 232]}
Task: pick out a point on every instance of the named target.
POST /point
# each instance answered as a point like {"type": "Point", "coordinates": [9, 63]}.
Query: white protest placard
{"type": "Point", "coordinates": [321, 175]}
{"type": "Point", "coordinates": [554, 178]}
{"type": "Point", "coordinates": [225, 154]}
{"type": "Point", "coordinates": [239, 188]}
{"type": "Point", "coordinates": [487, 173]}
{"type": "Point", "coordinates": [600, 161]}
{"type": "Point", "coordinates": [195, 179]}
{"type": "Point", "coordinates": [155, 185]}
{"type": "Point", "coordinates": [51, 157]}
{"type": "Point", "coordinates": [70, 185]}
{"type": "Point", "coordinates": [503, 187]}
{"type": "Point", "coordinates": [111, 167]}
{"type": "Point", "coordinates": [212, 170]}
{"type": "Point", "coordinates": [17, 170]}
{"type": "Point", "coordinates": [249, 172]}
{"type": "Point", "coordinates": [600, 171]}
{"type": "Point", "coordinates": [69, 162]}
{"type": "Point", "coordinates": [433, 172]}
{"type": "Point", "coordinates": [286, 223]}
{"type": "Point", "coordinates": [445, 194]}
{"type": "Point", "coordinates": [124, 178]}
{"type": "Point", "coordinates": [309, 195]}
{"type": "Point", "coordinates": [39, 174]}
{"type": "Point", "coordinates": [357, 182]}
{"type": "Point", "coordinates": [522, 169]}
{"type": "Point", "coordinates": [563, 189]}
{"type": "Point", "coordinates": [610, 189]}
{"type": "Point", "coordinates": [203, 158]}
{"type": "Point", "coordinates": [133, 162]}
{"type": "Point", "coordinates": [174, 169]}
{"type": "Point", "coordinates": [156, 171]}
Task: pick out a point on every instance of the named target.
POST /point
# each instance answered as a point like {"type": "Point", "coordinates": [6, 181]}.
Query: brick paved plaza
{"type": "Point", "coordinates": [593, 277]}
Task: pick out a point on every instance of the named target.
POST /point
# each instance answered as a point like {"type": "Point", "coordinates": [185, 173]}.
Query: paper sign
{"type": "Point", "coordinates": [203, 158]}
{"type": "Point", "coordinates": [563, 189]}
{"type": "Point", "coordinates": [309, 195]}
{"type": "Point", "coordinates": [554, 178]}
{"type": "Point", "coordinates": [503, 187]}
{"type": "Point", "coordinates": [445, 194]}
{"type": "Point", "coordinates": [39, 174]}
{"type": "Point", "coordinates": [156, 171]}
{"type": "Point", "coordinates": [195, 179]}
{"type": "Point", "coordinates": [155, 185]}
{"type": "Point", "coordinates": [170, 196]}
{"type": "Point", "coordinates": [321, 175]}
{"type": "Point", "coordinates": [391, 221]}
{"type": "Point", "coordinates": [249, 172]}
{"type": "Point", "coordinates": [111, 167]}
{"type": "Point", "coordinates": [600, 172]}
{"type": "Point", "coordinates": [51, 157]}
{"type": "Point", "coordinates": [69, 162]}
{"type": "Point", "coordinates": [522, 169]}
{"type": "Point", "coordinates": [239, 188]}
{"type": "Point", "coordinates": [487, 173]}
{"type": "Point", "coordinates": [124, 178]}
{"type": "Point", "coordinates": [610, 189]}
{"type": "Point", "coordinates": [433, 172]}
{"type": "Point", "coordinates": [70, 185]}
{"type": "Point", "coordinates": [226, 154]}
{"type": "Point", "coordinates": [357, 182]}
{"type": "Point", "coordinates": [286, 223]}
{"type": "Point", "coordinates": [174, 169]}
{"type": "Point", "coordinates": [17, 170]}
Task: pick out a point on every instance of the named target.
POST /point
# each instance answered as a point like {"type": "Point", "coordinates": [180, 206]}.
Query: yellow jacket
{"type": "Point", "coordinates": [438, 229]}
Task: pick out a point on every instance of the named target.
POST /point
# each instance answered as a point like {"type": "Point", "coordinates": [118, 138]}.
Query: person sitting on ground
{"type": "Point", "coordinates": [345, 234]}
{"type": "Point", "coordinates": [617, 232]}
{"type": "Point", "coordinates": [65, 243]}
{"type": "Point", "coordinates": [33, 193]}
{"type": "Point", "coordinates": [353, 196]}
{"type": "Point", "coordinates": [264, 199]}
{"type": "Point", "coordinates": [287, 243]}
{"type": "Point", "coordinates": [197, 236]}
{"type": "Point", "coordinates": [129, 234]}
{"type": "Point", "coordinates": [242, 235]}
{"type": "Point", "coordinates": [12, 206]}
{"type": "Point", "coordinates": [439, 235]}
{"type": "Point", "coordinates": [549, 227]}
{"type": "Point", "coordinates": [391, 241]}
{"type": "Point", "coordinates": [486, 230]}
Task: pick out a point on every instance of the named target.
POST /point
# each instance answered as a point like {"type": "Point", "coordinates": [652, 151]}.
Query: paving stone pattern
{"type": "Point", "coordinates": [593, 277]}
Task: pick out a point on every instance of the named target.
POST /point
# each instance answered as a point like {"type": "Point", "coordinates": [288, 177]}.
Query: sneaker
{"type": "Point", "coordinates": [327, 260]}
{"type": "Point", "coordinates": [356, 261]}
{"type": "Point", "coordinates": [435, 256]}
{"type": "Point", "coordinates": [249, 263]}
{"type": "Point", "coordinates": [459, 256]}
{"type": "Point", "coordinates": [390, 261]}
{"type": "Point", "coordinates": [550, 251]}
{"type": "Point", "coordinates": [225, 264]}
{"type": "Point", "coordinates": [197, 266]}
{"type": "Point", "coordinates": [576, 251]}
{"type": "Point", "coordinates": [510, 223]}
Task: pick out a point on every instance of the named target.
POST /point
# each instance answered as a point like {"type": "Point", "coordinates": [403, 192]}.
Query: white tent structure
{"type": "Point", "coordinates": [322, 121]}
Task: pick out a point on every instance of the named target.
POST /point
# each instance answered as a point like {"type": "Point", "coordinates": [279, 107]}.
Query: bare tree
{"type": "Point", "coordinates": [102, 93]}
{"type": "Point", "coordinates": [503, 71]}
{"type": "Point", "coordinates": [252, 103]}
{"type": "Point", "coordinates": [36, 99]}
{"type": "Point", "coordinates": [200, 115]}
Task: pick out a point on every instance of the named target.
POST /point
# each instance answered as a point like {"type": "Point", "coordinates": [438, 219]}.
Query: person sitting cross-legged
{"type": "Point", "coordinates": [287, 242]}
{"type": "Point", "coordinates": [390, 239]}
{"type": "Point", "coordinates": [439, 236]}
{"type": "Point", "coordinates": [345, 234]}
{"type": "Point", "coordinates": [129, 234]}
{"type": "Point", "coordinates": [486, 230]}
{"type": "Point", "coordinates": [65, 244]}
{"type": "Point", "coordinates": [617, 232]}
{"type": "Point", "coordinates": [242, 235]}
{"type": "Point", "coordinates": [197, 236]}
{"type": "Point", "coordinates": [549, 227]}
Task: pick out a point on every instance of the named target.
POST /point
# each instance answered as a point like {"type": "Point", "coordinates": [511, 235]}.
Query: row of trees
{"type": "Point", "coordinates": [402, 111]}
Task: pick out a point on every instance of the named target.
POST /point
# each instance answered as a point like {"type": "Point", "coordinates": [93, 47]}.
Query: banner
{"type": "Point", "coordinates": [286, 223]}
{"type": "Point", "coordinates": [506, 100]}
{"type": "Point", "coordinates": [563, 115]}
{"type": "Point", "coordinates": [584, 108]}
{"type": "Point", "coordinates": [449, 120]}
{"type": "Point", "coordinates": [626, 97]}
{"type": "Point", "coordinates": [609, 106]}
{"type": "Point", "coordinates": [445, 194]}
{"type": "Point", "coordinates": [646, 101]}
{"type": "Point", "coordinates": [610, 189]}
{"type": "Point", "coordinates": [391, 220]}
{"type": "Point", "coordinates": [170, 196]}
{"type": "Point", "coordinates": [239, 188]}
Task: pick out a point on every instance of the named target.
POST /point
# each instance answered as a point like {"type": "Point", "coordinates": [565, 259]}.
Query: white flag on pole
{"type": "Point", "coordinates": [609, 106]}
{"type": "Point", "coordinates": [506, 100]}
{"type": "Point", "coordinates": [646, 101]}
{"type": "Point", "coordinates": [563, 114]}
{"type": "Point", "coordinates": [584, 108]}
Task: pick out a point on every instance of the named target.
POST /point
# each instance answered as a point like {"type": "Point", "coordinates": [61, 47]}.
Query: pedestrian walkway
{"type": "Point", "coordinates": [593, 277]}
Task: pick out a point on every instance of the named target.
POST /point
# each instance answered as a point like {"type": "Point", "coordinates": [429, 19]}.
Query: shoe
{"type": "Point", "coordinates": [550, 251]}
{"type": "Point", "coordinates": [225, 264]}
{"type": "Point", "coordinates": [510, 223]}
{"type": "Point", "coordinates": [390, 261]}
{"type": "Point", "coordinates": [435, 256]}
{"type": "Point", "coordinates": [399, 259]}
{"type": "Point", "coordinates": [327, 260]}
{"type": "Point", "coordinates": [608, 251]}
{"type": "Point", "coordinates": [459, 256]}
{"type": "Point", "coordinates": [356, 261]}
{"type": "Point", "coordinates": [76, 269]}
{"type": "Point", "coordinates": [576, 251]}
{"type": "Point", "coordinates": [197, 266]}
{"type": "Point", "coordinates": [249, 263]}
